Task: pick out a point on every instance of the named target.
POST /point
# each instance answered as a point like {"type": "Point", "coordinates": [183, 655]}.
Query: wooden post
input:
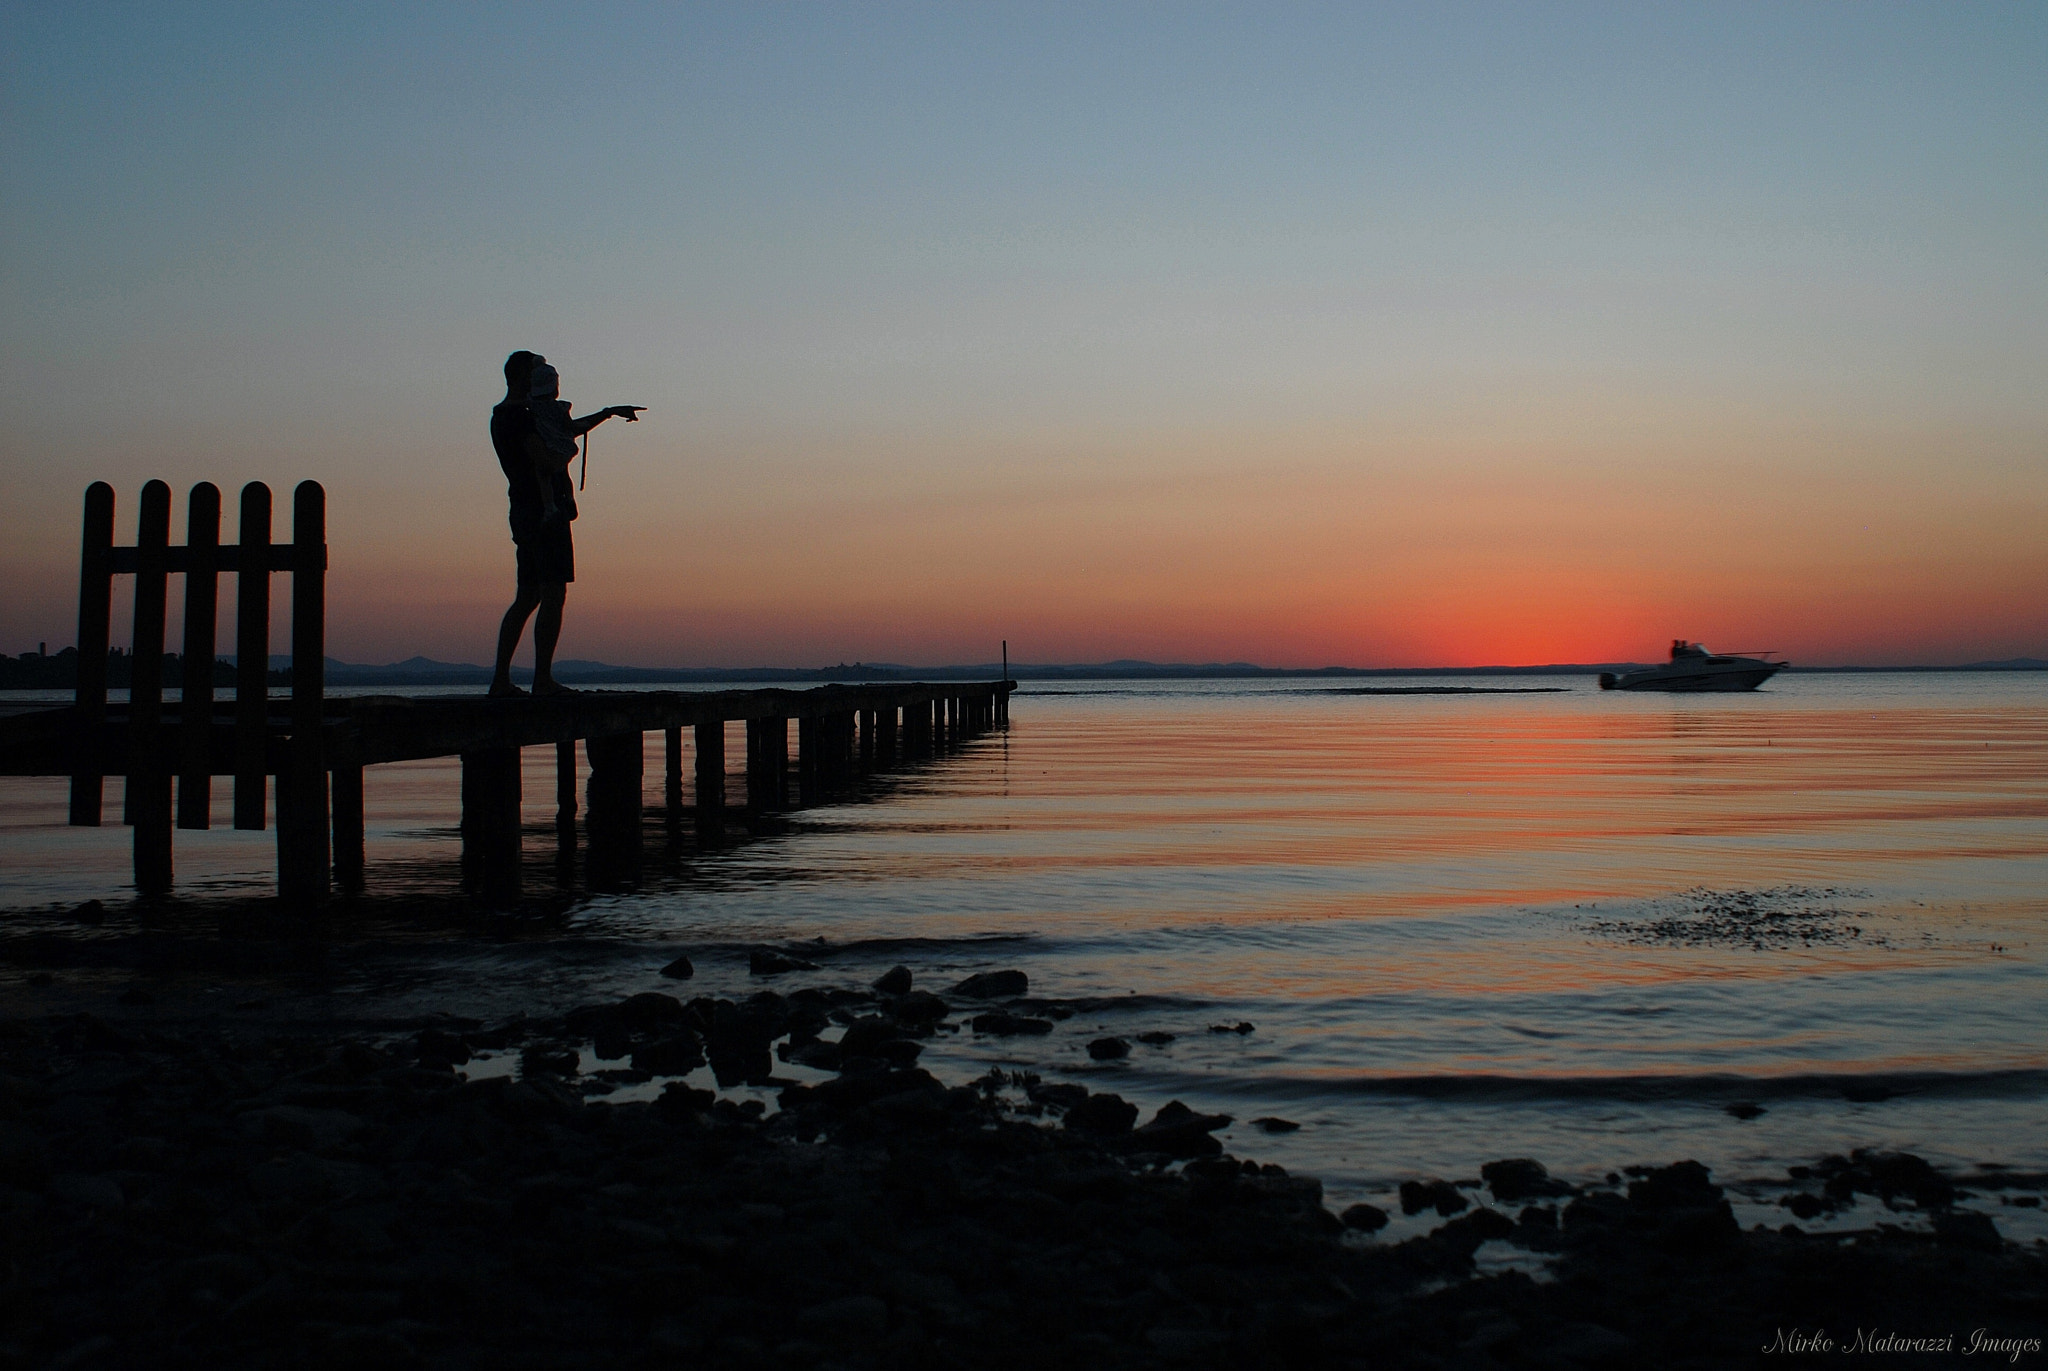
{"type": "Point", "coordinates": [672, 775]}
{"type": "Point", "coordinates": [490, 824]}
{"type": "Point", "coordinates": [149, 779]}
{"type": "Point", "coordinates": [611, 822]}
{"type": "Point", "coordinates": [768, 765]}
{"type": "Point", "coordinates": [202, 601]}
{"type": "Point", "coordinates": [95, 615]}
{"type": "Point", "coordinates": [809, 750]}
{"type": "Point", "coordinates": [348, 821]}
{"type": "Point", "coordinates": [252, 657]}
{"type": "Point", "coordinates": [565, 811]}
{"type": "Point", "coordinates": [867, 740]}
{"type": "Point", "coordinates": [302, 857]}
{"type": "Point", "coordinates": [885, 736]}
{"type": "Point", "coordinates": [710, 777]}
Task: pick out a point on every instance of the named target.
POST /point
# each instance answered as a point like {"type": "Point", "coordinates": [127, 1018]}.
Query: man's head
{"type": "Point", "coordinates": [519, 372]}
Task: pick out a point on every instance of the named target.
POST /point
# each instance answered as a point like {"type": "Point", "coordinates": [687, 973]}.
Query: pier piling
{"type": "Point", "coordinates": [611, 824]}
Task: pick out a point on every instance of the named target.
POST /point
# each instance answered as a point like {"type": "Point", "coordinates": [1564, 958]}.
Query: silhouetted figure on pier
{"type": "Point", "coordinates": [535, 439]}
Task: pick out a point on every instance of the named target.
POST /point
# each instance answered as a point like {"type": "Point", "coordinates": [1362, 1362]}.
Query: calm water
{"type": "Point", "coordinates": [1573, 926]}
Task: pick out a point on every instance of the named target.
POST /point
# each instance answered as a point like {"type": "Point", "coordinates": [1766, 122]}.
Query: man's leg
{"type": "Point", "coordinates": [514, 624]}
{"type": "Point", "coordinates": [547, 631]}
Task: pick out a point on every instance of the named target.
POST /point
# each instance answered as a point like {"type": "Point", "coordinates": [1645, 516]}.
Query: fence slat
{"type": "Point", "coordinates": [149, 779]}
{"type": "Point", "coordinates": [95, 615]}
{"type": "Point", "coordinates": [202, 604]}
{"type": "Point", "coordinates": [252, 658]}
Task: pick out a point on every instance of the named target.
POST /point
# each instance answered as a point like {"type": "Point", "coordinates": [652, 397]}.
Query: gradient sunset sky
{"type": "Point", "coordinates": [1303, 335]}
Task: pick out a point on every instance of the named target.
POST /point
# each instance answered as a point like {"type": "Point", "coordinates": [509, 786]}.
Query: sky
{"type": "Point", "coordinates": [1305, 335]}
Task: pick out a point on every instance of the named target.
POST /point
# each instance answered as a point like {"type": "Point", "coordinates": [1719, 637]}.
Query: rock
{"type": "Point", "coordinates": [1103, 1114]}
{"type": "Point", "coordinates": [855, 1316]}
{"type": "Point", "coordinates": [1240, 1028]}
{"type": "Point", "coordinates": [92, 913]}
{"type": "Point", "coordinates": [1681, 1185]}
{"type": "Point", "coordinates": [1966, 1228]}
{"type": "Point", "coordinates": [1178, 1131]}
{"type": "Point", "coordinates": [894, 981]}
{"type": "Point", "coordinates": [1521, 1178]}
{"type": "Point", "coordinates": [24, 1156]}
{"type": "Point", "coordinates": [919, 1008]}
{"type": "Point", "coordinates": [1275, 1125]}
{"type": "Point", "coordinates": [1010, 1025]}
{"type": "Point", "coordinates": [989, 985]}
{"type": "Point", "coordinates": [1482, 1225]}
{"type": "Point", "coordinates": [1599, 1209]}
{"type": "Point", "coordinates": [1886, 1175]}
{"type": "Point", "coordinates": [1155, 1038]}
{"type": "Point", "coordinates": [136, 996]}
{"type": "Point", "coordinates": [1441, 1196]}
{"type": "Point", "coordinates": [673, 1056]}
{"type": "Point", "coordinates": [679, 970]}
{"type": "Point", "coordinates": [436, 1047]}
{"type": "Point", "coordinates": [1590, 1344]}
{"type": "Point", "coordinates": [1805, 1206]}
{"type": "Point", "coordinates": [818, 1055]}
{"type": "Point", "coordinates": [766, 961]}
{"type": "Point", "coordinates": [611, 1041]}
{"type": "Point", "coordinates": [651, 1011]}
{"type": "Point", "coordinates": [347, 1349]}
{"type": "Point", "coordinates": [90, 1192]}
{"type": "Point", "coordinates": [303, 1179]}
{"type": "Point", "coordinates": [1109, 1049]}
{"type": "Point", "coordinates": [545, 1059]}
{"type": "Point", "coordinates": [300, 1126]}
{"type": "Point", "coordinates": [1746, 1110]}
{"type": "Point", "coordinates": [1366, 1218]}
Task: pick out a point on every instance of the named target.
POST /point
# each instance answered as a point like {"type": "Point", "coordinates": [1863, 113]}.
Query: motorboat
{"type": "Point", "coordinates": [1693, 667]}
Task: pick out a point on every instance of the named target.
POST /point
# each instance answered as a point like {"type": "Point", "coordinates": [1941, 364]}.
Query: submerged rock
{"type": "Point", "coordinates": [1441, 1196]}
{"type": "Point", "coordinates": [991, 985]}
{"type": "Point", "coordinates": [1005, 1025]}
{"type": "Point", "coordinates": [1109, 1049]}
{"type": "Point", "coordinates": [1521, 1178]}
{"type": "Point", "coordinates": [1366, 1218]}
{"type": "Point", "coordinates": [680, 969]}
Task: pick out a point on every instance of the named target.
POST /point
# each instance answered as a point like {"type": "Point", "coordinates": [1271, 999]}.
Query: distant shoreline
{"type": "Point", "coordinates": [58, 671]}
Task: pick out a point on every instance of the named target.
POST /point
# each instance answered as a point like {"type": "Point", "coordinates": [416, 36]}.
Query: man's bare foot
{"type": "Point", "coordinates": [505, 690]}
{"type": "Point", "coordinates": [553, 688]}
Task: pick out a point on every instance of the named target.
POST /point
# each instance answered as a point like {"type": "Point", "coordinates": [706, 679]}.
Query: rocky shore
{"type": "Point", "coordinates": [213, 1195]}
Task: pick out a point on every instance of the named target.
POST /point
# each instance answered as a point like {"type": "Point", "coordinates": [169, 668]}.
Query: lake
{"type": "Point", "coordinates": [1575, 926]}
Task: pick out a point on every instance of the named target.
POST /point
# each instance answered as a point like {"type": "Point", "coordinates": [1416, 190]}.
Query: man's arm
{"type": "Point", "coordinates": [630, 413]}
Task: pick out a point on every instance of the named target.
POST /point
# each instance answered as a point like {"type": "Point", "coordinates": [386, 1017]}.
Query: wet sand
{"type": "Point", "coordinates": [200, 1192]}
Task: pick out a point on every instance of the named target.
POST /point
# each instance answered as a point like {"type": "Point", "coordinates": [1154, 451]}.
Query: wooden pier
{"type": "Point", "coordinates": [316, 748]}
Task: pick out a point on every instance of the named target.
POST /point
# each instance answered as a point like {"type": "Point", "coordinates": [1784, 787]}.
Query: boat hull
{"type": "Point", "coordinates": [1740, 678]}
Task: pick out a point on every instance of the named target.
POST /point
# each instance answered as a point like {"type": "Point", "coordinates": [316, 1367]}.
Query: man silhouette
{"type": "Point", "coordinates": [543, 502]}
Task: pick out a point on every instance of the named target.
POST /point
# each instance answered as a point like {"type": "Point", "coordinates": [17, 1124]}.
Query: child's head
{"type": "Point", "coordinates": [544, 384]}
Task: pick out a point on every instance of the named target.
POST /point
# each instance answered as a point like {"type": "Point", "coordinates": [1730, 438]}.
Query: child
{"type": "Point", "coordinates": [554, 441]}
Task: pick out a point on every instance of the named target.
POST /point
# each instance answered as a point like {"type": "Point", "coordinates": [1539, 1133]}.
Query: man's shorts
{"type": "Point", "coordinates": [546, 555]}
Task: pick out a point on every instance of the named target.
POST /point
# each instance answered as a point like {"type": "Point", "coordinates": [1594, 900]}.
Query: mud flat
{"type": "Point", "coordinates": [551, 1193]}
